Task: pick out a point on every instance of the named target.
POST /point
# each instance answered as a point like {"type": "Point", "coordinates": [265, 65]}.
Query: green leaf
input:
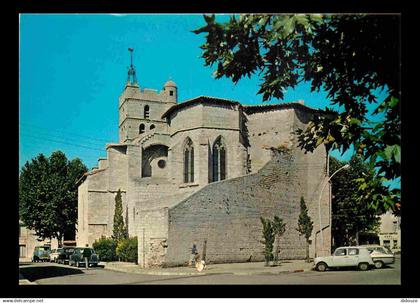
{"type": "Point", "coordinates": [394, 101]}
{"type": "Point", "coordinates": [397, 153]}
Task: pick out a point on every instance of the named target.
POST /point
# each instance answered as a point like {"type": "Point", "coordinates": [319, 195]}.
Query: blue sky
{"type": "Point", "coordinates": [73, 69]}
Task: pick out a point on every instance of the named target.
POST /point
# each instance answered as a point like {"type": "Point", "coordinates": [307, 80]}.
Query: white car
{"type": "Point", "coordinates": [54, 254]}
{"type": "Point", "coordinates": [380, 255]}
{"type": "Point", "coordinates": [351, 256]}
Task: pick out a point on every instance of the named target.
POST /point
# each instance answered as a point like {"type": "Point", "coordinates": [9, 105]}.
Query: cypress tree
{"type": "Point", "coordinates": [305, 225]}
{"type": "Point", "coordinates": [119, 231]}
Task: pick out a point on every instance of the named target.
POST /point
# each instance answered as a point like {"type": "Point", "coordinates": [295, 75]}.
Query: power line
{"type": "Point", "coordinates": [61, 131]}
{"type": "Point", "coordinates": [62, 142]}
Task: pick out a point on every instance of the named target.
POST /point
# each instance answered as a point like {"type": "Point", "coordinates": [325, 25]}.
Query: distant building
{"type": "Point", "coordinates": [390, 232]}
{"type": "Point", "coordinates": [27, 242]}
{"type": "Point", "coordinates": [205, 171]}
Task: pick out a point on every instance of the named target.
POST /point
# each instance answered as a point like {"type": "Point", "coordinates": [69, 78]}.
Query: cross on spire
{"type": "Point", "coordinates": [132, 79]}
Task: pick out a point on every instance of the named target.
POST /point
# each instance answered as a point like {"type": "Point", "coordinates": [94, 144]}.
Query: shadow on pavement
{"type": "Point", "coordinates": [36, 273]}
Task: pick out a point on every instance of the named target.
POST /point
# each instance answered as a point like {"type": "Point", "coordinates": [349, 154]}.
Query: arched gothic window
{"type": "Point", "coordinates": [219, 160]}
{"type": "Point", "coordinates": [188, 161]}
{"type": "Point", "coordinates": [146, 112]}
{"type": "Point", "coordinates": [141, 128]}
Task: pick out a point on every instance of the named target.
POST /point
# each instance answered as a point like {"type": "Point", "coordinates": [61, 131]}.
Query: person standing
{"type": "Point", "coordinates": [86, 255]}
{"type": "Point", "coordinates": [194, 252]}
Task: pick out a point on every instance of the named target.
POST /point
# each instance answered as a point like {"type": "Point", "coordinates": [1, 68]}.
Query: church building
{"type": "Point", "coordinates": [204, 171]}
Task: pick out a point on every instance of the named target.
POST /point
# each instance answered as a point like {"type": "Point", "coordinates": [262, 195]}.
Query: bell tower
{"type": "Point", "coordinates": [141, 109]}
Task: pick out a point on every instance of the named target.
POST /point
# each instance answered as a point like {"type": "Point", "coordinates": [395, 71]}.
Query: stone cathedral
{"type": "Point", "coordinates": [204, 171]}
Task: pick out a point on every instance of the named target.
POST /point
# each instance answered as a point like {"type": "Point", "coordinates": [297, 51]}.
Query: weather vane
{"type": "Point", "coordinates": [131, 71]}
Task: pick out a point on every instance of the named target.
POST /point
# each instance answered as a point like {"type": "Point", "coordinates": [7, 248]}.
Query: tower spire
{"type": "Point", "coordinates": [132, 79]}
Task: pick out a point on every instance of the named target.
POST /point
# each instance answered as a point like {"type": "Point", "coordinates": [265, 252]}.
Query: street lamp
{"type": "Point", "coordinates": [319, 202]}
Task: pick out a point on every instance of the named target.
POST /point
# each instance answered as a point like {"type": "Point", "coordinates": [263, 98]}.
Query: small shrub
{"type": "Point", "coordinates": [127, 250]}
{"type": "Point", "coordinates": [106, 249]}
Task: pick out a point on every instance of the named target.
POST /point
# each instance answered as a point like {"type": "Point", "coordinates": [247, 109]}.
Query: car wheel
{"type": "Point", "coordinates": [363, 266]}
{"type": "Point", "coordinates": [379, 264]}
{"type": "Point", "coordinates": [321, 266]}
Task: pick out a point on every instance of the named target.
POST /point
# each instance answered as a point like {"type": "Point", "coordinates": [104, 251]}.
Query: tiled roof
{"type": "Point", "coordinates": [89, 173]}
{"type": "Point", "coordinates": [198, 100]}
{"type": "Point", "coordinates": [249, 109]}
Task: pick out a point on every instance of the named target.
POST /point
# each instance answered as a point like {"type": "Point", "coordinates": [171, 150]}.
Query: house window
{"type": "Point", "coordinates": [219, 160]}
{"type": "Point", "coordinates": [171, 93]}
{"type": "Point", "coordinates": [141, 128]}
{"type": "Point", "coordinates": [146, 112]}
{"type": "Point", "coordinates": [188, 161]}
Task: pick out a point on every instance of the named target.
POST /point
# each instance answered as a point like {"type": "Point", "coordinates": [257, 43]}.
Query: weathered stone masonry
{"type": "Point", "coordinates": [256, 170]}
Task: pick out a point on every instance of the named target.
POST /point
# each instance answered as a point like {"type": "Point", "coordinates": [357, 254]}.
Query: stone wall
{"type": "Point", "coordinates": [152, 237]}
{"type": "Point", "coordinates": [265, 129]}
{"type": "Point", "coordinates": [227, 214]}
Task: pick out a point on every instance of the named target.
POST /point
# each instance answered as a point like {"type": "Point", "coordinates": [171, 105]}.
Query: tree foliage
{"type": "Point", "coordinates": [272, 231]}
{"type": "Point", "coordinates": [127, 250]}
{"type": "Point", "coordinates": [106, 249]}
{"type": "Point", "coordinates": [119, 229]}
{"type": "Point", "coordinates": [305, 225]}
{"type": "Point", "coordinates": [350, 215]}
{"type": "Point", "coordinates": [279, 229]}
{"type": "Point", "coordinates": [48, 194]}
{"type": "Point", "coordinates": [268, 239]}
{"type": "Point", "coordinates": [350, 57]}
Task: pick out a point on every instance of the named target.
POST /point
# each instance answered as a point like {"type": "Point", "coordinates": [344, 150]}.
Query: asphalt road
{"type": "Point", "coordinates": [49, 273]}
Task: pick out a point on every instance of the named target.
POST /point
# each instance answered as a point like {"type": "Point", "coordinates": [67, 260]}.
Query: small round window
{"type": "Point", "coordinates": [161, 163]}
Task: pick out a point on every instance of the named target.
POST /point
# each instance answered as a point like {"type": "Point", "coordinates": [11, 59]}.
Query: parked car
{"type": "Point", "coordinates": [77, 259]}
{"type": "Point", "coordinates": [356, 256]}
{"type": "Point", "coordinates": [41, 253]}
{"type": "Point", "coordinates": [63, 257]}
{"type": "Point", "coordinates": [54, 254]}
{"type": "Point", "coordinates": [381, 255]}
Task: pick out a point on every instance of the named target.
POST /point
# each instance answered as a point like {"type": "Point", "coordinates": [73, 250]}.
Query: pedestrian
{"type": "Point", "coordinates": [194, 252]}
{"type": "Point", "coordinates": [86, 255]}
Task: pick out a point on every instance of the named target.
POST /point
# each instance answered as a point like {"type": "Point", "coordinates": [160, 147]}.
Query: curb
{"type": "Point", "coordinates": [26, 282]}
{"type": "Point", "coordinates": [159, 273]}
{"type": "Point", "coordinates": [23, 281]}
{"type": "Point", "coordinates": [239, 273]}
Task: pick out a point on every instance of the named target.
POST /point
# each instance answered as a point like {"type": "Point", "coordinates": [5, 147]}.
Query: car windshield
{"type": "Point", "coordinates": [89, 249]}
